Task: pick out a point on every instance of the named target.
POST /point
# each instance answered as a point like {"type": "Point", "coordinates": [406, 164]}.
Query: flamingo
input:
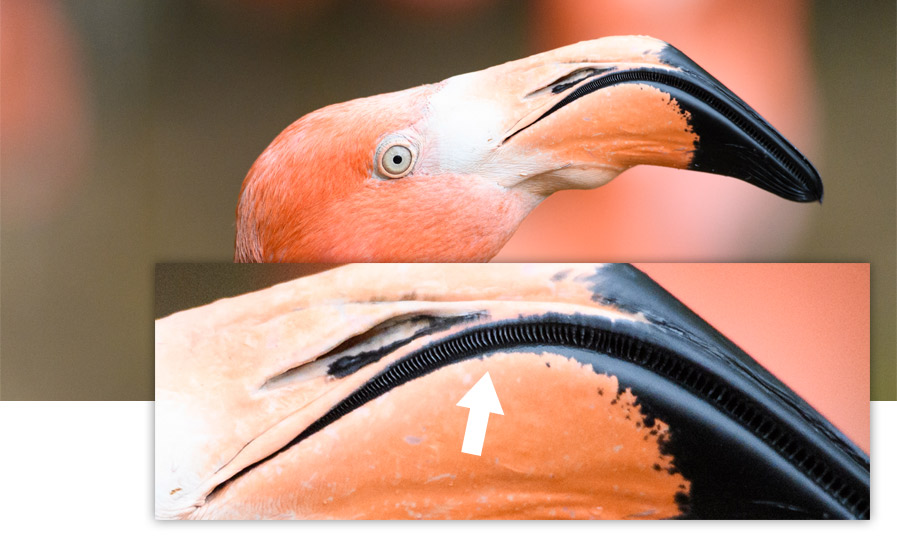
{"type": "Point", "coordinates": [447, 171]}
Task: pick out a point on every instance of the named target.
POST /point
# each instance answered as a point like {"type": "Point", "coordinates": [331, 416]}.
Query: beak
{"type": "Point", "coordinates": [335, 396]}
{"type": "Point", "coordinates": [575, 117]}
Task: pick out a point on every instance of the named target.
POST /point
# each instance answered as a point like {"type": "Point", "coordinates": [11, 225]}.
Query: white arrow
{"type": "Point", "coordinates": [481, 400]}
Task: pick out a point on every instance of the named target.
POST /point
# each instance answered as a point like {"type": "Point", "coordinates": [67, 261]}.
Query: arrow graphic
{"type": "Point", "coordinates": [481, 400]}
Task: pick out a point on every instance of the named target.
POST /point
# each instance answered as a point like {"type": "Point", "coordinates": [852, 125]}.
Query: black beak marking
{"type": "Point", "coordinates": [735, 140]}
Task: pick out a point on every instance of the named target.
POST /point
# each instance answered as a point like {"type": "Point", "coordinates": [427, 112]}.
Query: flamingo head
{"type": "Point", "coordinates": [446, 172]}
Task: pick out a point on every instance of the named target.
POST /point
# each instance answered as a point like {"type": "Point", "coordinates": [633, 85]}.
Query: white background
{"type": "Point", "coordinates": [82, 472]}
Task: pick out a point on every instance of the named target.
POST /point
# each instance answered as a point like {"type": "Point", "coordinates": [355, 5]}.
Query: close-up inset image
{"type": "Point", "coordinates": [499, 391]}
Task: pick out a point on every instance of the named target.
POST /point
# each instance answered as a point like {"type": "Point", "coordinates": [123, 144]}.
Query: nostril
{"type": "Point", "coordinates": [563, 83]}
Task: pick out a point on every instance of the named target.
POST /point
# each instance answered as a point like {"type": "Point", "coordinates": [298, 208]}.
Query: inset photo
{"type": "Point", "coordinates": [512, 391]}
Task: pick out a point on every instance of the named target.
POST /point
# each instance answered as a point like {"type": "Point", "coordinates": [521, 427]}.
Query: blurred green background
{"type": "Point", "coordinates": [127, 128]}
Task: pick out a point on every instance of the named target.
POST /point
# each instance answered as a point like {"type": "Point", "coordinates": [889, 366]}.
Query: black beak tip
{"type": "Point", "coordinates": [814, 190]}
{"type": "Point", "coordinates": [799, 181]}
{"type": "Point", "coordinates": [734, 140]}
{"type": "Point", "coordinates": [774, 166]}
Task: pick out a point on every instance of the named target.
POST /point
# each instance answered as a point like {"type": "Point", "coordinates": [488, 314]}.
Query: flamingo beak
{"type": "Point", "coordinates": [337, 396]}
{"type": "Point", "coordinates": [575, 117]}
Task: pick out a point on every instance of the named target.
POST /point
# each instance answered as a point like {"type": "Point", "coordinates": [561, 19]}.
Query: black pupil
{"type": "Point", "coordinates": [396, 159]}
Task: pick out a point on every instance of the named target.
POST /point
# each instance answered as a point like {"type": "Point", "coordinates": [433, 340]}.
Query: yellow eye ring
{"type": "Point", "coordinates": [396, 157]}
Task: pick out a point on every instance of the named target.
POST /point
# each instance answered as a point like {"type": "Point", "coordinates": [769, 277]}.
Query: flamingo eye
{"type": "Point", "coordinates": [396, 158]}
